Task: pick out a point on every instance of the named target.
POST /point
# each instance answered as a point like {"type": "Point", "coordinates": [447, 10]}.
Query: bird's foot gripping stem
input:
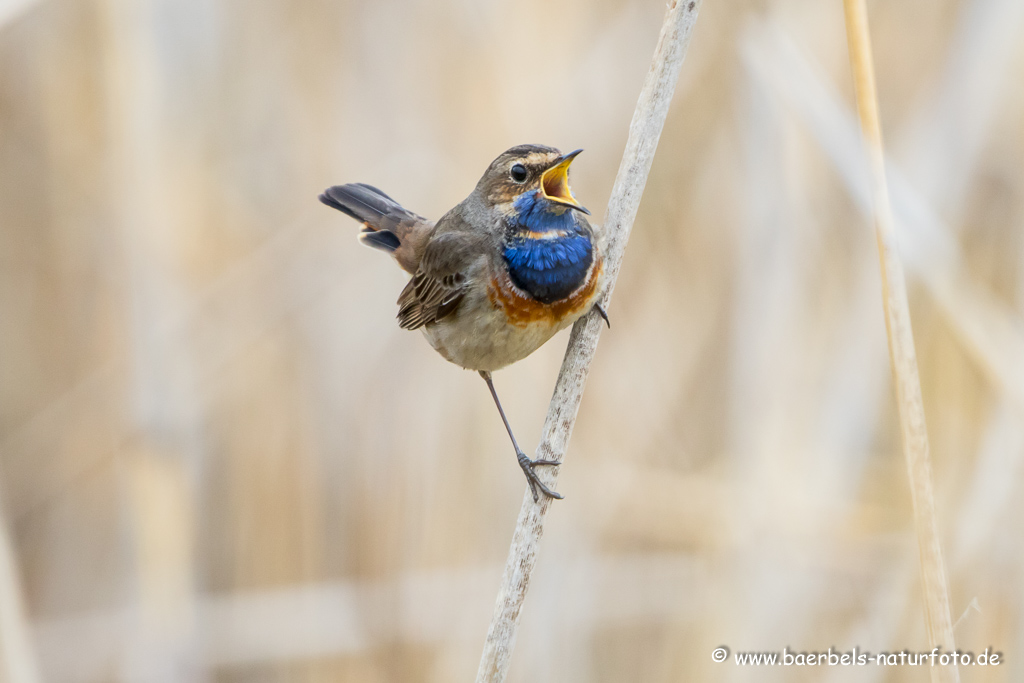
{"type": "Point", "coordinates": [524, 461]}
{"type": "Point", "coordinates": [533, 479]}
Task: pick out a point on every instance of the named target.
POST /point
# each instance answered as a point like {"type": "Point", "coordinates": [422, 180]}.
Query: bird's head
{"type": "Point", "coordinates": [530, 179]}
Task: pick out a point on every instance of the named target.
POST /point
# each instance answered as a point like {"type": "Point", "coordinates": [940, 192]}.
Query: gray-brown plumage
{"type": "Point", "coordinates": [436, 289]}
{"type": "Point", "coordinates": [499, 274]}
{"type": "Point", "coordinates": [387, 225]}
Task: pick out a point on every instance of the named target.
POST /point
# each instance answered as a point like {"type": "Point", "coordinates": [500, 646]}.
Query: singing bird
{"type": "Point", "coordinates": [499, 274]}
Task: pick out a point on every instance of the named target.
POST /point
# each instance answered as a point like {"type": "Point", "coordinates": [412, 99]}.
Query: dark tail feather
{"type": "Point", "coordinates": [380, 239]}
{"type": "Point", "coordinates": [386, 224]}
{"type": "Point", "coordinates": [360, 201]}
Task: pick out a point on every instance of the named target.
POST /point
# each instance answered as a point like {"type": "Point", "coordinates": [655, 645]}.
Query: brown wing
{"type": "Point", "coordinates": [438, 286]}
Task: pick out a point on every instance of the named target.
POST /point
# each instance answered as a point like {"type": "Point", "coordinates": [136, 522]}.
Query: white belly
{"type": "Point", "coordinates": [479, 336]}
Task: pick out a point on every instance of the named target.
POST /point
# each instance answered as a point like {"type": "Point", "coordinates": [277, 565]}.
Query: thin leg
{"type": "Point", "coordinates": [604, 314]}
{"type": "Point", "coordinates": [524, 461]}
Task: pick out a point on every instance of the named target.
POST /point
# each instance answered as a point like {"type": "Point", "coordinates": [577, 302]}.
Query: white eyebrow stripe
{"type": "Point", "coordinates": [537, 158]}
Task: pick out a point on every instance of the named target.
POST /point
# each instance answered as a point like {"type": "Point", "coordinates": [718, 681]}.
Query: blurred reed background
{"type": "Point", "coordinates": [220, 459]}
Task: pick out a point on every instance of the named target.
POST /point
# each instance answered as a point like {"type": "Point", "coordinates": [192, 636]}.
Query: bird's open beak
{"type": "Point", "coordinates": [554, 183]}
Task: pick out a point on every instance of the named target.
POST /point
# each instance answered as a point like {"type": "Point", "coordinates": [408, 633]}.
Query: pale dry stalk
{"type": "Point", "coordinates": [18, 663]}
{"type": "Point", "coordinates": [901, 349]}
{"type": "Point", "coordinates": [644, 131]}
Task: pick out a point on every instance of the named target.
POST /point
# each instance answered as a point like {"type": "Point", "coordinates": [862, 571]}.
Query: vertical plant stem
{"type": "Point", "coordinates": [18, 662]}
{"type": "Point", "coordinates": [644, 131]}
{"type": "Point", "coordinates": [901, 349]}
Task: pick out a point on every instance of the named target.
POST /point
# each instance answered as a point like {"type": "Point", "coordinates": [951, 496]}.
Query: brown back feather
{"type": "Point", "coordinates": [438, 286]}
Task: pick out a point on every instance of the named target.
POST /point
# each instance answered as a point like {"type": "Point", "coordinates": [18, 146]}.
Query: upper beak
{"type": "Point", "coordinates": [554, 183]}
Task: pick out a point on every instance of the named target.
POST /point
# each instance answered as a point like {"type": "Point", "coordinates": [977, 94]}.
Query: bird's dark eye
{"type": "Point", "coordinates": [518, 173]}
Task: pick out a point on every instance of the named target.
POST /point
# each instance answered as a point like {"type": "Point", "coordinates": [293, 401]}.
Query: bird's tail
{"type": "Point", "coordinates": [386, 224]}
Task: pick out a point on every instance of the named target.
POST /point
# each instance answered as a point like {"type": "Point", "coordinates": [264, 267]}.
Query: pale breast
{"type": "Point", "coordinates": [497, 324]}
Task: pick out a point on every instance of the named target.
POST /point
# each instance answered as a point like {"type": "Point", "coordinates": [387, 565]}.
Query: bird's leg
{"type": "Point", "coordinates": [524, 461]}
{"type": "Point", "coordinates": [604, 314]}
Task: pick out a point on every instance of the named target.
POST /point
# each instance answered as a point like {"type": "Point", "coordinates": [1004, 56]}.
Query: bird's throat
{"type": "Point", "coordinates": [548, 252]}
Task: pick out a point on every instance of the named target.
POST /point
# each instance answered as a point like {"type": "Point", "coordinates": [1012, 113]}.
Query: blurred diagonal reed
{"type": "Point", "coordinates": [644, 132]}
{"type": "Point", "coordinates": [17, 655]}
{"type": "Point", "coordinates": [902, 355]}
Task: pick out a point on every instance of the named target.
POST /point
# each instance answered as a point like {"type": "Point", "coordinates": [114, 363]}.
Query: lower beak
{"type": "Point", "coordinates": [554, 183]}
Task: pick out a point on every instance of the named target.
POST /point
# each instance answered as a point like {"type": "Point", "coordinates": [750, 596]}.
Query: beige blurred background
{"type": "Point", "coordinates": [221, 460]}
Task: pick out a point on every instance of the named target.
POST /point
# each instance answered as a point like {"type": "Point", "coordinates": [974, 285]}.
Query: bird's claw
{"type": "Point", "coordinates": [604, 314]}
{"type": "Point", "coordinates": [533, 480]}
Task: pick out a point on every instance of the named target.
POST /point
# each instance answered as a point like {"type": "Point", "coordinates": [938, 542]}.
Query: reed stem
{"type": "Point", "coordinates": [902, 356]}
{"type": "Point", "coordinates": [644, 131]}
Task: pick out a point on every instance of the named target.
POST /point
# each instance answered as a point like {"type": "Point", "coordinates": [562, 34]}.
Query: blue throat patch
{"type": "Point", "coordinates": [549, 268]}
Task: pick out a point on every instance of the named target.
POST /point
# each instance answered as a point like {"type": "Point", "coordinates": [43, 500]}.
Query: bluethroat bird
{"type": "Point", "coordinates": [499, 274]}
